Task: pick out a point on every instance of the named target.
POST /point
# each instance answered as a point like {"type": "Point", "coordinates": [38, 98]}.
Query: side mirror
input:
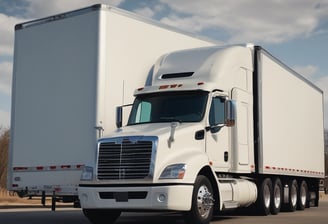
{"type": "Point", "coordinates": [119, 115]}
{"type": "Point", "coordinates": [230, 113]}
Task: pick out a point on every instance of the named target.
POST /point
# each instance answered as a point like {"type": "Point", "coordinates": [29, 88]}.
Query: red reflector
{"type": "Point", "coordinates": [20, 168]}
{"type": "Point", "coordinates": [164, 87]}
{"type": "Point", "coordinates": [141, 88]}
{"type": "Point", "coordinates": [200, 83]}
{"type": "Point", "coordinates": [65, 166]}
{"type": "Point", "coordinates": [39, 168]}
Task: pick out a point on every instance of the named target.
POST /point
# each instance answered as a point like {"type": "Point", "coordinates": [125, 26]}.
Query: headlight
{"type": "Point", "coordinates": [87, 173]}
{"type": "Point", "coordinates": [175, 171]}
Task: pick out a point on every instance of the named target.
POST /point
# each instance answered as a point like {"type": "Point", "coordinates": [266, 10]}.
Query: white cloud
{"type": "Point", "coordinates": [193, 23]}
{"type": "Point", "coordinates": [308, 71]}
{"type": "Point", "coordinates": [253, 20]}
{"type": "Point", "coordinates": [7, 34]}
{"type": "Point", "coordinates": [146, 11]}
{"type": "Point", "coordinates": [4, 119]}
{"type": "Point", "coordinates": [149, 11]}
{"type": "Point", "coordinates": [5, 77]}
{"type": "Point", "coordinates": [40, 8]}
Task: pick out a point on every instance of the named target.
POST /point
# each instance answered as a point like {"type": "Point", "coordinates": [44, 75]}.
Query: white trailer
{"type": "Point", "coordinates": [214, 129]}
{"type": "Point", "coordinates": [70, 72]}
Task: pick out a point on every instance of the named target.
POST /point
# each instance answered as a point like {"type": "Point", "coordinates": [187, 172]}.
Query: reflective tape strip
{"type": "Point", "coordinates": [293, 170]}
{"type": "Point", "coordinates": [48, 168]}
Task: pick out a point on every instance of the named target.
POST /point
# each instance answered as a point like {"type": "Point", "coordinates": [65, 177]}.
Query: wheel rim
{"type": "Point", "coordinates": [293, 195]}
{"type": "Point", "coordinates": [303, 195]}
{"type": "Point", "coordinates": [266, 196]}
{"type": "Point", "coordinates": [204, 201]}
{"type": "Point", "coordinates": [277, 196]}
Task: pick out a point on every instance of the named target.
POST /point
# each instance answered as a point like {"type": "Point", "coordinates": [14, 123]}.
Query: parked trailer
{"type": "Point", "coordinates": [70, 72]}
{"type": "Point", "coordinates": [214, 129]}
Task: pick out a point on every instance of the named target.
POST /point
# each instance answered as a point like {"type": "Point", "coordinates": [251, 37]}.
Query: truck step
{"type": "Point", "coordinates": [230, 204]}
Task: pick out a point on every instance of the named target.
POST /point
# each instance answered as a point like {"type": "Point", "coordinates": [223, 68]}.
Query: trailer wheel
{"type": "Point", "coordinates": [101, 216]}
{"type": "Point", "coordinates": [292, 197]}
{"type": "Point", "coordinates": [264, 197]}
{"type": "Point", "coordinates": [202, 202]}
{"type": "Point", "coordinates": [303, 196]}
{"type": "Point", "coordinates": [276, 197]}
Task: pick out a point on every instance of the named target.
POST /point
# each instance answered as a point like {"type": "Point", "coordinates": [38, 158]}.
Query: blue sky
{"type": "Point", "coordinates": [295, 31]}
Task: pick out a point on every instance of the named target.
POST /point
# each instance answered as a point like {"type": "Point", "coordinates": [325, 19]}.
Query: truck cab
{"type": "Point", "coordinates": [204, 135]}
{"type": "Point", "coordinates": [178, 140]}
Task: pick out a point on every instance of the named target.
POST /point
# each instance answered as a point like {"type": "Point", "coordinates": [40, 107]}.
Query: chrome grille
{"type": "Point", "coordinates": [125, 160]}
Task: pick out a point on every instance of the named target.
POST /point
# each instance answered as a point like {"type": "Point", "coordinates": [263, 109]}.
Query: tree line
{"type": "Point", "coordinates": [4, 148]}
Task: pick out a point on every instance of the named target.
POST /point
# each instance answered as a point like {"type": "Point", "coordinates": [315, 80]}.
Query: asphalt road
{"type": "Point", "coordinates": [312, 215]}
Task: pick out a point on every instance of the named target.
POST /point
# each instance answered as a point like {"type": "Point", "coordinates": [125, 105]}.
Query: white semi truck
{"type": "Point", "coordinates": [213, 129]}
{"type": "Point", "coordinates": [70, 72]}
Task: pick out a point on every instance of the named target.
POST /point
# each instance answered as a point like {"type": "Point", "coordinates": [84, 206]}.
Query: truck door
{"type": "Point", "coordinates": [241, 132]}
{"type": "Point", "coordinates": [217, 136]}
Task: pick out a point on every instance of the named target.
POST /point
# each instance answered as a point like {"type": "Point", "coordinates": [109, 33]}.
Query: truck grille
{"type": "Point", "coordinates": [125, 160]}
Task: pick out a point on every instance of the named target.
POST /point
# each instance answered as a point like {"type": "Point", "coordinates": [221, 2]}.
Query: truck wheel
{"type": "Point", "coordinates": [202, 202]}
{"type": "Point", "coordinates": [101, 216]}
{"type": "Point", "coordinates": [292, 198]}
{"type": "Point", "coordinates": [276, 197]}
{"type": "Point", "coordinates": [264, 197]}
{"type": "Point", "coordinates": [302, 197]}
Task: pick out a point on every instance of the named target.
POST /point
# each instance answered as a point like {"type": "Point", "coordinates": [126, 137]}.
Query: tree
{"type": "Point", "coordinates": [4, 148]}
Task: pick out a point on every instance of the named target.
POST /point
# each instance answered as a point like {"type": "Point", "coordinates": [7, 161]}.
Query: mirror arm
{"type": "Point", "coordinates": [214, 128]}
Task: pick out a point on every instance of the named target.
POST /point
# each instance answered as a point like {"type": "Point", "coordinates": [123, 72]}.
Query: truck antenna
{"type": "Point", "coordinates": [123, 92]}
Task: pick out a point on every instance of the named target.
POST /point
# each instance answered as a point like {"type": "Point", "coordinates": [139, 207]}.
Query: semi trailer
{"type": "Point", "coordinates": [70, 72]}
{"type": "Point", "coordinates": [213, 129]}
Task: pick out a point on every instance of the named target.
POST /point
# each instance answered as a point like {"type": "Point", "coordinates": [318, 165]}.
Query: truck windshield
{"type": "Point", "coordinates": [187, 106]}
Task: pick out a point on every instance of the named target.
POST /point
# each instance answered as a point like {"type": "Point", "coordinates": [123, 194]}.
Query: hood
{"type": "Point", "coordinates": [155, 129]}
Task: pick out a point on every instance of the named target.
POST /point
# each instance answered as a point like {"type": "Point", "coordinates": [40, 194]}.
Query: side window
{"type": "Point", "coordinates": [217, 111]}
{"type": "Point", "coordinates": [143, 112]}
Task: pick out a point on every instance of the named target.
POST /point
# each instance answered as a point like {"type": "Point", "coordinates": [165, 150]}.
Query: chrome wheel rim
{"type": "Point", "coordinates": [303, 195]}
{"type": "Point", "coordinates": [204, 201]}
{"type": "Point", "coordinates": [266, 196]}
{"type": "Point", "coordinates": [277, 196]}
{"type": "Point", "coordinates": [293, 196]}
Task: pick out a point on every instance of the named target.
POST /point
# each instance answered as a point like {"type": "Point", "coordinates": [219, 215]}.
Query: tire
{"type": "Point", "coordinates": [302, 196]}
{"type": "Point", "coordinates": [101, 216]}
{"type": "Point", "coordinates": [264, 197]}
{"type": "Point", "coordinates": [292, 197]}
{"type": "Point", "coordinates": [202, 202]}
{"type": "Point", "coordinates": [276, 197]}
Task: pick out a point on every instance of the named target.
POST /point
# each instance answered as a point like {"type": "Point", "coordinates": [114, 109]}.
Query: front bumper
{"type": "Point", "coordinates": [163, 197]}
